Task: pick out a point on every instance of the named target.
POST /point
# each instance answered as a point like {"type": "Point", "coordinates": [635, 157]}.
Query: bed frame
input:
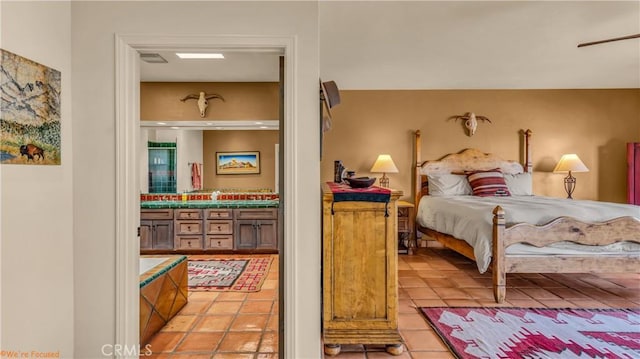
{"type": "Point", "coordinates": [559, 229]}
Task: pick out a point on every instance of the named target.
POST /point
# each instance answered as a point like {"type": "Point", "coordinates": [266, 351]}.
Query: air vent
{"type": "Point", "coordinates": [153, 58]}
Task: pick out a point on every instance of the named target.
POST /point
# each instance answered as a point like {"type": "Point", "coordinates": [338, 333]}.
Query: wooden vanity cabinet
{"type": "Point", "coordinates": [185, 230]}
{"type": "Point", "coordinates": [256, 228]}
{"type": "Point", "coordinates": [156, 229]}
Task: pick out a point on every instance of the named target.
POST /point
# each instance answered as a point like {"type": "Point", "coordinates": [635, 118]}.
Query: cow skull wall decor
{"type": "Point", "coordinates": [471, 121]}
{"type": "Point", "coordinates": [203, 100]}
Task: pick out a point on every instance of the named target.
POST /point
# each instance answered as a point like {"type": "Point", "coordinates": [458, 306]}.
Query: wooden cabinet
{"type": "Point", "coordinates": [156, 229]}
{"type": "Point", "coordinates": [188, 229]}
{"type": "Point", "coordinates": [256, 228]}
{"type": "Point", "coordinates": [360, 274]}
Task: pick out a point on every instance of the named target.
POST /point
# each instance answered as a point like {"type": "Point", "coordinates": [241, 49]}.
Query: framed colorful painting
{"type": "Point", "coordinates": [29, 112]}
{"type": "Point", "coordinates": [236, 163]}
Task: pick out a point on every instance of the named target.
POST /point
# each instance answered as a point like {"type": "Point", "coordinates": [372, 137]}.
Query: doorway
{"type": "Point", "coordinates": [127, 190]}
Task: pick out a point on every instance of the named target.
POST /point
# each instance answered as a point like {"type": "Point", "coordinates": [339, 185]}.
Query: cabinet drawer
{"type": "Point", "coordinates": [188, 227]}
{"type": "Point", "coordinates": [404, 211]}
{"type": "Point", "coordinates": [188, 213]}
{"type": "Point", "coordinates": [256, 213]}
{"type": "Point", "coordinates": [188, 242]}
{"type": "Point", "coordinates": [156, 213]}
{"type": "Point", "coordinates": [218, 242]}
{"type": "Point", "coordinates": [218, 214]}
{"type": "Point", "coordinates": [403, 224]}
{"type": "Point", "coordinates": [219, 227]}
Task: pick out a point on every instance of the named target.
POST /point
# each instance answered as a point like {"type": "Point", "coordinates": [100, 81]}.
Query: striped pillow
{"type": "Point", "coordinates": [488, 183]}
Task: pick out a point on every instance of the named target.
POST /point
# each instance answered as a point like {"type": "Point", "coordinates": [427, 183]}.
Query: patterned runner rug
{"type": "Point", "coordinates": [237, 274]}
{"type": "Point", "coordinates": [537, 333]}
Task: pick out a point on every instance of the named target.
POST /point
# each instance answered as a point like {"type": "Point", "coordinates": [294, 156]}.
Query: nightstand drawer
{"type": "Point", "coordinates": [403, 225]}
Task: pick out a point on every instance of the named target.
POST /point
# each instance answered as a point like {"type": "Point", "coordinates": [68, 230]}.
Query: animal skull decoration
{"type": "Point", "coordinates": [471, 121]}
{"type": "Point", "coordinates": [203, 100]}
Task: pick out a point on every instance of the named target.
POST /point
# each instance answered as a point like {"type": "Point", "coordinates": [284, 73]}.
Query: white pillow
{"type": "Point", "coordinates": [448, 185]}
{"type": "Point", "coordinates": [519, 184]}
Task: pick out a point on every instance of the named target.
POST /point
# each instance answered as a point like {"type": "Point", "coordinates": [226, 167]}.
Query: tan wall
{"type": "Point", "coordinates": [241, 141]}
{"type": "Point", "coordinates": [242, 101]}
{"type": "Point", "coordinates": [595, 124]}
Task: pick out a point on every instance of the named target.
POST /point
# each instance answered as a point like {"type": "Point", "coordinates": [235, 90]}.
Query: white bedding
{"type": "Point", "coordinates": [470, 218]}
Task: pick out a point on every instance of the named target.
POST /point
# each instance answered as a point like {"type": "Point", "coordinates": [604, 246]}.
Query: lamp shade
{"type": "Point", "coordinates": [570, 162]}
{"type": "Point", "coordinates": [384, 164]}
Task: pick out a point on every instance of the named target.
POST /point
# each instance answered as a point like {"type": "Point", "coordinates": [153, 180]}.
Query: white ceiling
{"type": "Point", "coordinates": [237, 66]}
{"type": "Point", "coordinates": [450, 45]}
{"type": "Point", "coordinates": [479, 44]}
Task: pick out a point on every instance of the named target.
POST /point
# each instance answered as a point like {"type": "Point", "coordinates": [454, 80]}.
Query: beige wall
{"type": "Point", "coordinates": [37, 300]}
{"type": "Point", "coordinates": [242, 101]}
{"type": "Point", "coordinates": [239, 141]}
{"type": "Point", "coordinates": [595, 124]}
{"type": "Point", "coordinates": [93, 25]}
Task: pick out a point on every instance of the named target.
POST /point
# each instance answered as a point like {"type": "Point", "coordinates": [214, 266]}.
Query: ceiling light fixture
{"type": "Point", "coordinates": [195, 55]}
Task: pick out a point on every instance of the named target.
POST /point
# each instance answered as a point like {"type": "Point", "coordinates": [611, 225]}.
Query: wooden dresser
{"type": "Point", "coordinates": [360, 274]}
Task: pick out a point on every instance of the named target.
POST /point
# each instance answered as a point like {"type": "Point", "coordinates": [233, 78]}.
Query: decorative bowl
{"type": "Point", "coordinates": [360, 182]}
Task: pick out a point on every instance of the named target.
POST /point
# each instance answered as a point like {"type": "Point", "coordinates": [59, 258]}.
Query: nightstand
{"type": "Point", "coordinates": [406, 218]}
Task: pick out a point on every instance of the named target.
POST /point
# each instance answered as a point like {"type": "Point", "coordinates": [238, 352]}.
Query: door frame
{"type": "Point", "coordinates": [127, 126]}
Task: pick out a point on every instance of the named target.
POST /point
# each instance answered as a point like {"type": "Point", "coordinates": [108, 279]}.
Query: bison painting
{"type": "Point", "coordinates": [31, 151]}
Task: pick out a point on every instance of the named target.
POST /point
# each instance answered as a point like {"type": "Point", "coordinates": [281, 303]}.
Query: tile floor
{"type": "Point", "coordinates": [440, 277]}
{"type": "Point", "coordinates": [226, 325]}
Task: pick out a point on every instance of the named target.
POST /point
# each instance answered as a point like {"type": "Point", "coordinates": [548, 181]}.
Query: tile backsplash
{"type": "Point", "coordinates": [222, 196]}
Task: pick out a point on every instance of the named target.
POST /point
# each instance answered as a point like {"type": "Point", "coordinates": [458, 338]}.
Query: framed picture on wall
{"type": "Point", "coordinates": [237, 163]}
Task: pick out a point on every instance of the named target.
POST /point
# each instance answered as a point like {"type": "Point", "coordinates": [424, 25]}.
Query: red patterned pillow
{"type": "Point", "coordinates": [488, 183]}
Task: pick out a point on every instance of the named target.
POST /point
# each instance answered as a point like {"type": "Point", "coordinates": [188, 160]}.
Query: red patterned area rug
{"type": "Point", "coordinates": [235, 275]}
{"type": "Point", "coordinates": [537, 333]}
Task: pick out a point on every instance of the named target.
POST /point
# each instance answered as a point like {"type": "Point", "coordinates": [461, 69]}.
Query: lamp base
{"type": "Point", "coordinates": [569, 185]}
{"type": "Point", "coordinates": [384, 181]}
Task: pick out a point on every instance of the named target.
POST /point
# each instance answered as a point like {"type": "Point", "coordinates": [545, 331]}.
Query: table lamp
{"type": "Point", "coordinates": [384, 164]}
{"type": "Point", "coordinates": [570, 163]}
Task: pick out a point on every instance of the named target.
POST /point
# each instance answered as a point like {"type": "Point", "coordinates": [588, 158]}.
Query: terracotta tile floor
{"type": "Point", "coordinates": [228, 325]}
{"type": "Point", "coordinates": [222, 325]}
{"type": "Point", "coordinates": [440, 277]}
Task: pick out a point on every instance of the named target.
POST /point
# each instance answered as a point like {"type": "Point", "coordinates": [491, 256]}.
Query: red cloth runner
{"type": "Point", "coordinates": [343, 192]}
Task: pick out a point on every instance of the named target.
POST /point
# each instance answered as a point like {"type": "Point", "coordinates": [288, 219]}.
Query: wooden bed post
{"type": "Point", "coordinates": [417, 193]}
{"type": "Point", "coordinates": [528, 162]}
{"type": "Point", "coordinates": [499, 270]}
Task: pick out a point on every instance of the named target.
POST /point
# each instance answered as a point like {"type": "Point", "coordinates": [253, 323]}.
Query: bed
{"type": "Point", "coordinates": [510, 230]}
